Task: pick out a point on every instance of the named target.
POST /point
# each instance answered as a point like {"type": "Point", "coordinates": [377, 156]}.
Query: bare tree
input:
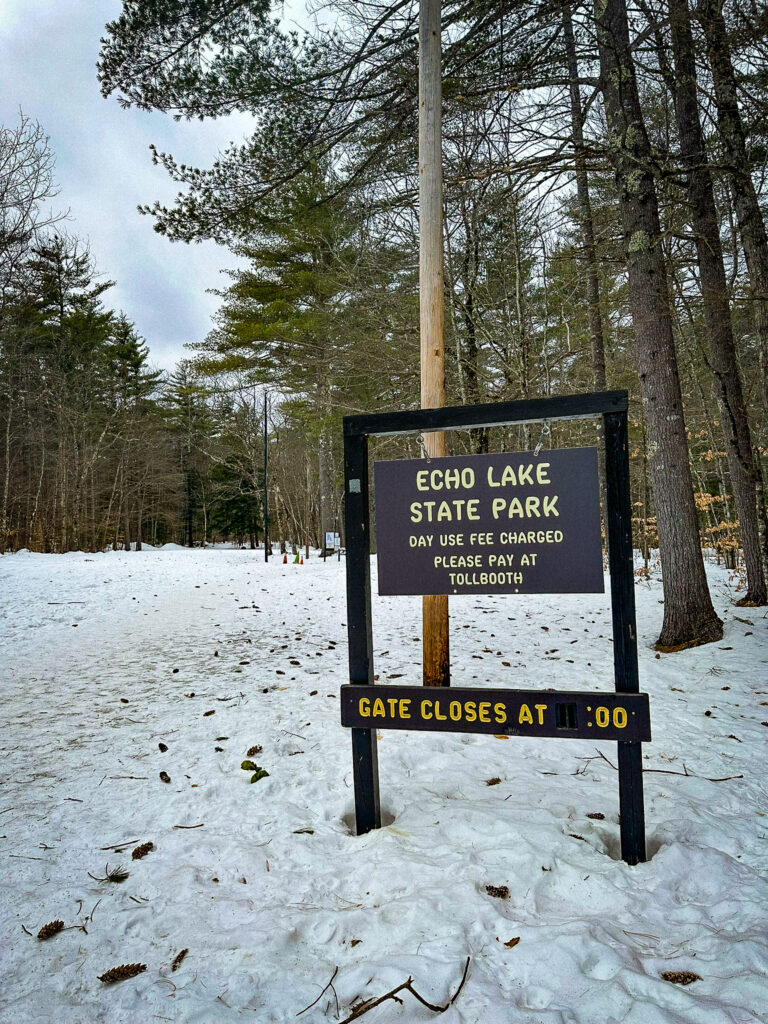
{"type": "Point", "coordinates": [26, 183]}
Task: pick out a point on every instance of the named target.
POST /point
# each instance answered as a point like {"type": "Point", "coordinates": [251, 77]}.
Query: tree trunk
{"type": "Point", "coordinates": [189, 513]}
{"type": "Point", "coordinates": [586, 223]}
{"type": "Point", "coordinates": [324, 478]}
{"type": "Point", "coordinates": [4, 530]}
{"type": "Point", "coordinates": [689, 618]}
{"type": "Point", "coordinates": [748, 214]}
{"type": "Point", "coordinates": [714, 291]}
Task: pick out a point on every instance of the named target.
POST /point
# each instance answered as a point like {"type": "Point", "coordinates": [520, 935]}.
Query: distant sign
{"type": "Point", "coordinates": [506, 523]}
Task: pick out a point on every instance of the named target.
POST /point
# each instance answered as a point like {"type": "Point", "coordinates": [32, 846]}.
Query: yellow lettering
{"type": "Point", "coordinates": [525, 715]}
{"type": "Point", "coordinates": [416, 510]}
{"type": "Point", "coordinates": [378, 708]}
{"type": "Point", "coordinates": [454, 710]}
{"type": "Point", "coordinates": [541, 473]}
{"type": "Point", "coordinates": [364, 707]}
{"type": "Point", "coordinates": [438, 716]}
{"type": "Point", "coordinates": [426, 704]}
{"type": "Point", "coordinates": [541, 708]}
{"type": "Point", "coordinates": [524, 475]}
{"type": "Point", "coordinates": [515, 508]}
{"type": "Point", "coordinates": [405, 707]}
{"type": "Point", "coordinates": [484, 711]}
{"type": "Point", "coordinates": [421, 480]}
{"type": "Point", "coordinates": [470, 711]}
{"type": "Point", "coordinates": [499, 713]}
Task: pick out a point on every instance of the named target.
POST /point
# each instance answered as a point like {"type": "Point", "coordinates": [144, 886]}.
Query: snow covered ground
{"type": "Point", "coordinates": [104, 657]}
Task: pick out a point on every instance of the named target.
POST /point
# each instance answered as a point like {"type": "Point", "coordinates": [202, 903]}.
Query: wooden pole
{"type": "Point", "coordinates": [436, 664]}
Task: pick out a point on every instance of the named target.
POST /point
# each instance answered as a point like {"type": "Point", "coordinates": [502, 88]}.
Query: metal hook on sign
{"type": "Point", "coordinates": [545, 433]}
{"type": "Point", "coordinates": [420, 442]}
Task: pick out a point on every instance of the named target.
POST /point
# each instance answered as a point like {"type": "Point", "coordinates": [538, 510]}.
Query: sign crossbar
{"type": "Point", "coordinates": [491, 414]}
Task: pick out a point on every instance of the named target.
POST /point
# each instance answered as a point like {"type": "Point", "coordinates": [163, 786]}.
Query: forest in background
{"type": "Point", "coordinates": [605, 197]}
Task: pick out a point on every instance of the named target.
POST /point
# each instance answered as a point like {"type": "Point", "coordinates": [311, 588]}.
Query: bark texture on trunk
{"type": "Point", "coordinates": [586, 223]}
{"type": "Point", "coordinates": [689, 617]}
{"type": "Point", "coordinates": [745, 202]}
{"type": "Point", "coordinates": [714, 291]}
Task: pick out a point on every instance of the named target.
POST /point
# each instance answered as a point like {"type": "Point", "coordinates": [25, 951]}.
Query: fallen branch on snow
{"type": "Point", "coordinates": [407, 985]}
{"type": "Point", "coordinates": [600, 756]}
{"type": "Point", "coordinates": [329, 985]}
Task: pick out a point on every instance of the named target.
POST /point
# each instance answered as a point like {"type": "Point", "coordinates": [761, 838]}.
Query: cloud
{"type": "Point", "coordinates": [48, 53]}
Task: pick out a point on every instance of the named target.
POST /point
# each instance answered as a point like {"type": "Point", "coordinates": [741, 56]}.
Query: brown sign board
{"type": "Point", "coordinates": [555, 713]}
{"type": "Point", "coordinates": [507, 523]}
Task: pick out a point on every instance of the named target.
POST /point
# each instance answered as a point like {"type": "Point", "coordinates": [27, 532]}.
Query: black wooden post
{"type": "Point", "coordinates": [619, 515]}
{"type": "Point", "coordinates": [365, 766]}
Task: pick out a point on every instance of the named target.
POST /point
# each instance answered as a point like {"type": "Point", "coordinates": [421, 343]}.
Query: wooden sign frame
{"type": "Point", "coordinates": [612, 407]}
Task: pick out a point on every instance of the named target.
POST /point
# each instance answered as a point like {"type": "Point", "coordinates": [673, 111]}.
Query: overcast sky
{"type": "Point", "coordinates": [48, 53]}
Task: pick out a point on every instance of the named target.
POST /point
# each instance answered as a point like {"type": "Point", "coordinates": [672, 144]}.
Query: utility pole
{"type": "Point", "coordinates": [436, 663]}
{"type": "Point", "coordinates": [266, 493]}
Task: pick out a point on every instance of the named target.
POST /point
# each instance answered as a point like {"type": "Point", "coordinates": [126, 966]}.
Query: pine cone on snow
{"type": "Point", "coordinates": [177, 959]}
{"type": "Point", "coordinates": [121, 973]}
{"type": "Point", "coordinates": [680, 977]}
{"type": "Point", "coordinates": [142, 851]}
{"type": "Point", "coordinates": [501, 892]}
{"type": "Point", "coordinates": [253, 751]}
{"type": "Point", "coordinates": [52, 928]}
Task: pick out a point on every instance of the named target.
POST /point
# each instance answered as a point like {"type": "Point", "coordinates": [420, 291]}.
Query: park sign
{"type": "Point", "coordinates": [509, 523]}
{"type": "Point", "coordinates": [531, 519]}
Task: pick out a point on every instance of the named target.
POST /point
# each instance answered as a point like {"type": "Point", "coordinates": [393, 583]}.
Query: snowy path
{"type": "Point", "coordinates": [102, 657]}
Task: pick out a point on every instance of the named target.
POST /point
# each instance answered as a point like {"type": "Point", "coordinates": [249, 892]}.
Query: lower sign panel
{"type": "Point", "coordinates": [554, 713]}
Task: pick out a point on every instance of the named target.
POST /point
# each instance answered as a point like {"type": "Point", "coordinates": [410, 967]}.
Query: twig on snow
{"type": "Point", "coordinates": [407, 985]}
{"type": "Point", "coordinates": [202, 823]}
{"type": "Point", "coordinates": [330, 983]}
{"type": "Point", "coordinates": [600, 756]}
{"type": "Point", "coordinates": [118, 845]}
